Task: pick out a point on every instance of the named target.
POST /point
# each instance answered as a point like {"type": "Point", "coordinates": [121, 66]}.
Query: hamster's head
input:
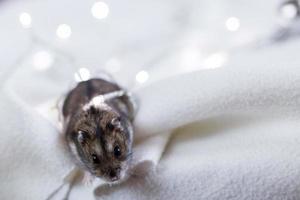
{"type": "Point", "coordinates": [101, 141]}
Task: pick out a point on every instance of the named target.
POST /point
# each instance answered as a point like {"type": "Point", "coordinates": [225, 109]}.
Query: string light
{"type": "Point", "coordinates": [216, 60]}
{"type": "Point", "coordinates": [142, 76]}
{"type": "Point", "coordinates": [25, 20]}
{"type": "Point", "coordinates": [232, 24]}
{"type": "Point", "coordinates": [83, 74]}
{"type": "Point", "coordinates": [100, 10]}
{"type": "Point", "coordinates": [42, 60]}
{"type": "Point", "coordinates": [63, 31]}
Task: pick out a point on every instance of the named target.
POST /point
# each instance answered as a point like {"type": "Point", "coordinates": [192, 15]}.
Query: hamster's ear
{"type": "Point", "coordinates": [82, 136]}
{"type": "Point", "coordinates": [114, 124]}
{"type": "Point", "coordinates": [117, 122]}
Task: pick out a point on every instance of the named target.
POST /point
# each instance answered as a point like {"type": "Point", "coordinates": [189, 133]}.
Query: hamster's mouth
{"type": "Point", "coordinates": [112, 175]}
{"type": "Point", "coordinates": [109, 180]}
{"type": "Point", "coordinates": [107, 177]}
{"type": "Point", "coordinates": [113, 179]}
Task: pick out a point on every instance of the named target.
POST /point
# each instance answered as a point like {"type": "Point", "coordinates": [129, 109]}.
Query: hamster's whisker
{"type": "Point", "coordinates": [129, 155]}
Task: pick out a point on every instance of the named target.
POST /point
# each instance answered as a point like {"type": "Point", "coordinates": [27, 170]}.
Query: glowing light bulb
{"type": "Point", "coordinates": [63, 31]}
{"type": "Point", "coordinates": [100, 10]}
{"type": "Point", "coordinates": [288, 11]}
{"type": "Point", "coordinates": [215, 60]}
{"type": "Point", "coordinates": [142, 76]}
{"type": "Point", "coordinates": [83, 74]}
{"type": "Point", "coordinates": [42, 60]}
{"type": "Point", "coordinates": [232, 24]}
{"type": "Point", "coordinates": [25, 20]}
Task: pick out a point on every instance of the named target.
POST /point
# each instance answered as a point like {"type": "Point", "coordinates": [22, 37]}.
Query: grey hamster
{"type": "Point", "coordinates": [98, 130]}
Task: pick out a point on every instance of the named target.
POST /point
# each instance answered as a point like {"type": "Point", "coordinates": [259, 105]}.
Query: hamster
{"type": "Point", "coordinates": [97, 126]}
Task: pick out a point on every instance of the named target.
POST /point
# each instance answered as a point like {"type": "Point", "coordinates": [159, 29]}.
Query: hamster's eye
{"type": "Point", "coordinates": [117, 151]}
{"type": "Point", "coordinates": [95, 159]}
{"type": "Point", "coordinates": [110, 126]}
{"type": "Point", "coordinates": [82, 136]}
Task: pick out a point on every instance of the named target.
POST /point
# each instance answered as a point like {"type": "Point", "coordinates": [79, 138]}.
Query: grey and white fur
{"type": "Point", "coordinates": [97, 125]}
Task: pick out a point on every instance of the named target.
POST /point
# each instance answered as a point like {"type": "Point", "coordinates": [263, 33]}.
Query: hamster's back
{"type": "Point", "coordinates": [84, 92]}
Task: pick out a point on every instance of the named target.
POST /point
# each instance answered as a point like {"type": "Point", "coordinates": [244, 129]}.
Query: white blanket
{"type": "Point", "coordinates": [239, 135]}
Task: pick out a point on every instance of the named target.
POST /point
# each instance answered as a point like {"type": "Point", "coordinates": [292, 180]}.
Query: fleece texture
{"type": "Point", "coordinates": [235, 134]}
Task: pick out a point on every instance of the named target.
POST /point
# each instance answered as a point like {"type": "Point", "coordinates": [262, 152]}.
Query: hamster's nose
{"type": "Point", "coordinates": [114, 174]}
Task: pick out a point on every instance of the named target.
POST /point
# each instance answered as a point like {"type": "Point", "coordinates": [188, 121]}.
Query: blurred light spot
{"type": "Point", "coordinates": [288, 11]}
{"type": "Point", "coordinates": [100, 10]}
{"type": "Point", "coordinates": [142, 76]}
{"type": "Point", "coordinates": [232, 24]}
{"type": "Point", "coordinates": [98, 100]}
{"type": "Point", "coordinates": [83, 74]}
{"type": "Point", "coordinates": [25, 20]}
{"type": "Point", "coordinates": [63, 31]}
{"type": "Point", "coordinates": [113, 65]}
{"type": "Point", "coordinates": [42, 60]}
{"type": "Point", "coordinates": [215, 60]}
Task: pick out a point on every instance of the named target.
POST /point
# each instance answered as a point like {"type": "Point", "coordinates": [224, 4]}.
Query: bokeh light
{"type": "Point", "coordinates": [83, 74]}
{"type": "Point", "coordinates": [25, 20]}
{"type": "Point", "coordinates": [42, 60]}
{"type": "Point", "coordinates": [63, 31]}
{"type": "Point", "coordinates": [216, 60]}
{"type": "Point", "coordinates": [232, 24]}
{"type": "Point", "coordinates": [100, 10]}
{"type": "Point", "coordinates": [142, 76]}
{"type": "Point", "coordinates": [288, 11]}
